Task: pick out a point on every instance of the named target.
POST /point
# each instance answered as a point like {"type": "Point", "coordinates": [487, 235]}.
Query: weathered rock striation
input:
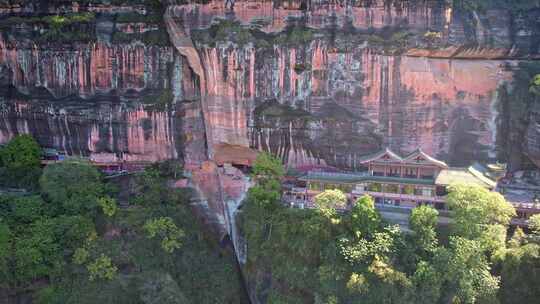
{"type": "Point", "coordinates": [315, 92]}
{"type": "Point", "coordinates": [134, 134]}
{"type": "Point", "coordinates": [315, 82]}
{"type": "Point", "coordinates": [86, 70]}
{"type": "Point", "coordinates": [368, 63]}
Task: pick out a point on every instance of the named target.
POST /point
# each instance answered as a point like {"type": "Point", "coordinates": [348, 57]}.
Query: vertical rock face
{"type": "Point", "coordinates": [327, 100]}
{"type": "Point", "coordinates": [532, 144]}
{"type": "Point", "coordinates": [88, 98]}
{"type": "Point", "coordinates": [324, 100]}
{"type": "Point", "coordinates": [511, 32]}
{"type": "Point", "coordinates": [317, 98]}
{"type": "Point", "coordinates": [320, 99]}
{"type": "Point", "coordinates": [307, 94]}
{"type": "Point", "coordinates": [273, 15]}
{"type": "Point", "coordinates": [315, 82]}
{"type": "Point", "coordinates": [86, 70]}
{"type": "Point", "coordinates": [134, 134]}
{"type": "Point", "coordinates": [349, 104]}
{"type": "Point", "coordinates": [33, 7]}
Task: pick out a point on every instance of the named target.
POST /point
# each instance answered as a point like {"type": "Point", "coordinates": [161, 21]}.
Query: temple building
{"type": "Point", "coordinates": [413, 180]}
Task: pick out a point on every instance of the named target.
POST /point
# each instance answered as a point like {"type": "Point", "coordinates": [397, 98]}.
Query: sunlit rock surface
{"type": "Point", "coordinates": [85, 69]}
{"type": "Point", "coordinates": [353, 103]}
{"type": "Point", "coordinates": [464, 34]}
{"type": "Point", "coordinates": [335, 103]}
{"type": "Point", "coordinates": [320, 83]}
{"type": "Point", "coordinates": [532, 144]}
{"type": "Point", "coordinates": [134, 134]}
{"type": "Point", "coordinates": [356, 102]}
{"type": "Point", "coordinates": [274, 14]}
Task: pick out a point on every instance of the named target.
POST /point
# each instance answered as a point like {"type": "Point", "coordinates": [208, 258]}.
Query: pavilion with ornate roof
{"type": "Point", "coordinates": [413, 180]}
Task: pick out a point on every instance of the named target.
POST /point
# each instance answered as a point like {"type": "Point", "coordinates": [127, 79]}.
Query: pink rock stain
{"type": "Point", "coordinates": [148, 135]}
{"type": "Point", "coordinates": [416, 96]}
{"type": "Point", "coordinates": [85, 70]}
{"type": "Point", "coordinates": [377, 15]}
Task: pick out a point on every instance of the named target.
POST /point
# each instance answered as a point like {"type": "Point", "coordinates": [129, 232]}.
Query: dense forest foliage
{"type": "Point", "coordinates": [324, 256]}
{"type": "Point", "coordinates": [70, 239]}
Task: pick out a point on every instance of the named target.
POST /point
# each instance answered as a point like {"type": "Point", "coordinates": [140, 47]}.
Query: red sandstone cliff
{"type": "Point", "coordinates": [85, 69]}
{"type": "Point", "coordinates": [326, 83]}
{"type": "Point", "coordinates": [401, 100]}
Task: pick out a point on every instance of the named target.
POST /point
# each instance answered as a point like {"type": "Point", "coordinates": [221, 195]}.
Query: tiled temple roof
{"type": "Point", "coordinates": [462, 175]}
{"type": "Point", "coordinates": [416, 157]}
{"type": "Point", "coordinates": [380, 154]}
{"type": "Point", "coordinates": [445, 177]}
{"type": "Point", "coordinates": [411, 158]}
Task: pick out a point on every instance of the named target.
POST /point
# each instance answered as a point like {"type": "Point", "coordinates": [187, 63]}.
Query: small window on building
{"type": "Point", "coordinates": [427, 174]}
{"type": "Point", "coordinates": [315, 186]}
{"type": "Point", "coordinates": [427, 191]}
{"type": "Point", "coordinates": [391, 188]}
{"type": "Point", "coordinates": [347, 188]}
{"type": "Point", "coordinates": [441, 191]}
{"type": "Point", "coordinates": [375, 187]}
{"type": "Point", "coordinates": [407, 189]}
{"type": "Point", "coordinates": [394, 172]}
{"type": "Point", "coordinates": [410, 173]}
{"type": "Point", "coordinates": [360, 187]}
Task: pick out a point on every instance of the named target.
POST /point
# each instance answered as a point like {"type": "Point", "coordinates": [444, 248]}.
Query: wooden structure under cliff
{"type": "Point", "coordinates": [410, 181]}
{"type": "Point", "coordinates": [407, 182]}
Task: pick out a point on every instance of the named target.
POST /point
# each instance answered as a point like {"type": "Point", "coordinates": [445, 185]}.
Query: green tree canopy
{"type": "Point", "coordinates": [520, 277]}
{"type": "Point", "coordinates": [267, 171]}
{"type": "Point", "coordinates": [21, 153]}
{"type": "Point", "coordinates": [534, 223]}
{"type": "Point", "coordinates": [36, 243]}
{"type": "Point", "coordinates": [101, 268]}
{"type": "Point", "coordinates": [166, 230]}
{"type": "Point", "coordinates": [518, 238]}
{"type": "Point", "coordinates": [72, 230]}
{"type": "Point", "coordinates": [535, 85]}
{"type": "Point", "coordinates": [5, 251]}
{"type": "Point", "coordinates": [72, 187]}
{"type": "Point", "coordinates": [153, 191]}
{"type": "Point", "coordinates": [363, 219]}
{"type": "Point", "coordinates": [328, 201]}
{"type": "Point", "coordinates": [474, 207]}
{"type": "Point", "coordinates": [269, 199]}
{"type": "Point", "coordinates": [20, 162]}
{"type": "Point", "coordinates": [427, 282]}
{"type": "Point", "coordinates": [466, 273]}
{"type": "Point", "coordinates": [267, 167]}
{"type": "Point", "coordinates": [108, 205]}
{"type": "Point", "coordinates": [35, 252]}
{"type": "Point", "coordinates": [19, 211]}
{"type": "Point", "coordinates": [423, 222]}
